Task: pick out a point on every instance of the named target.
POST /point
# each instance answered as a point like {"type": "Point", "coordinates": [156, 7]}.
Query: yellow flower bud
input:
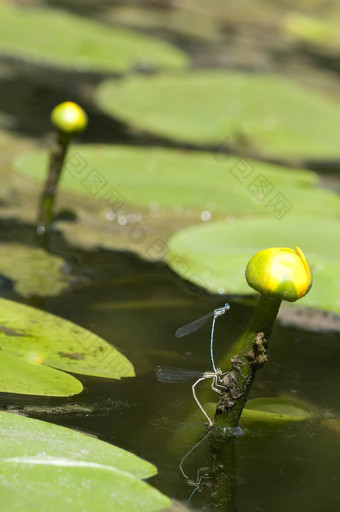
{"type": "Point", "coordinates": [280, 272]}
{"type": "Point", "coordinates": [69, 118]}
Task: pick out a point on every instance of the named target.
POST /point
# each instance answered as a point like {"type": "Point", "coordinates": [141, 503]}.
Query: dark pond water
{"type": "Point", "coordinates": [137, 306]}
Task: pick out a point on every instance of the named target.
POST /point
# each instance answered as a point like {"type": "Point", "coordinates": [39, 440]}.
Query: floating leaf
{"type": "Point", "coordinates": [274, 410]}
{"type": "Point", "coordinates": [219, 252]}
{"type": "Point", "coordinates": [173, 178]}
{"type": "Point", "coordinates": [24, 377]}
{"type": "Point", "coordinates": [269, 410]}
{"type": "Point", "coordinates": [33, 270]}
{"type": "Point", "coordinates": [55, 467]}
{"type": "Point", "coordinates": [43, 338]}
{"type": "Point", "coordinates": [56, 38]}
{"type": "Point", "coordinates": [266, 115]}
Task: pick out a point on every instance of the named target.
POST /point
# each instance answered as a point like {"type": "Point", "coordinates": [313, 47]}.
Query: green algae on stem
{"type": "Point", "coordinates": [253, 355]}
{"type": "Point", "coordinates": [57, 158]}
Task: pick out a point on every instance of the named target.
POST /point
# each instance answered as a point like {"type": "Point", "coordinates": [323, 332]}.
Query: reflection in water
{"type": "Point", "coordinates": [201, 479]}
{"type": "Point", "coordinates": [215, 469]}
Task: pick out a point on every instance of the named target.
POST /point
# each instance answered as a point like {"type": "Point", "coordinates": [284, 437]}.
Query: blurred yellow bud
{"type": "Point", "coordinates": [69, 118]}
{"type": "Point", "coordinates": [280, 272]}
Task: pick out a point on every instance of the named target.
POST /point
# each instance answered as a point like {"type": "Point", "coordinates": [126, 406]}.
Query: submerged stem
{"type": "Point", "coordinates": [253, 355]}
{"type": "Point", "coordinates": [223, 465]}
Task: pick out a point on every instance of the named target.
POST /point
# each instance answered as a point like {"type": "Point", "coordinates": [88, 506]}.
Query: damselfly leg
{"type": "Point", "coordinates": [201, 478]}
{"type": "Point", "coordinates": [216, 382]}
{"type": "Point", "coordinates": [170, 375]}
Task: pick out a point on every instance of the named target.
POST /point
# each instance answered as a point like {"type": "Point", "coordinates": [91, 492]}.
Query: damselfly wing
{"type": "Point", "coordinates": [197, 324]}
{"type": "Point", "coordinates": [170, 374]}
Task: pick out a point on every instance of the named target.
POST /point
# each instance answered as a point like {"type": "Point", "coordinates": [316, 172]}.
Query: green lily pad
{"type": "Point", "coordinates": [55, 467]}
{"type": "Point", "coordinates": [219, 252]}
{"type": "Point", "coordinates": [33, 270]}
{"type": "Point", "coordinates": [20, 376]}
{"type": "Point", "coordinates": [266, 115]}
{"type": "Point", "coordinates": [55, 38]}
{"type": "Point", "coordinates": [274, 411]}
{"type": "Point", "coordinates": [258, 411]}
{"type": "Point", "coordinates": [269, 410]}
{"type": "Point", "coordinates": [42, 338]}
{"type": "Point", "coordinates": [172, 179]}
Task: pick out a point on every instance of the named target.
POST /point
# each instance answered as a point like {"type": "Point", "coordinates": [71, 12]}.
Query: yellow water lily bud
{"type": "Point", "coordinates": [280, 272]}
{"type": "Point", "coordinates": [69, 118]}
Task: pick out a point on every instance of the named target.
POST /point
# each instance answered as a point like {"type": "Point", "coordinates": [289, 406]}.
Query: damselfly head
{"type": "Point", "coordinates": [222, 310]}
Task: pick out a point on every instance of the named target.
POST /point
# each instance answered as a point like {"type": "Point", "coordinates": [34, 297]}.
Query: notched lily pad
{"type": "Point", "coordinates": [45, 339]}
{"type": "Point", "coordinates": [34, 271]}
{"type": "Point", "coordinates": [56, 38]}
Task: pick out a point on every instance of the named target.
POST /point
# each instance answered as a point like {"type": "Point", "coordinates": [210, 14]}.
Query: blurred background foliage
{"type": "Point", "coordinates": [225, 112]}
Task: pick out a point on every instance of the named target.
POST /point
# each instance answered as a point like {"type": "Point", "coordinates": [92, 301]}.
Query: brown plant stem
{"type": "Point", "coordinates": [57, 157]}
